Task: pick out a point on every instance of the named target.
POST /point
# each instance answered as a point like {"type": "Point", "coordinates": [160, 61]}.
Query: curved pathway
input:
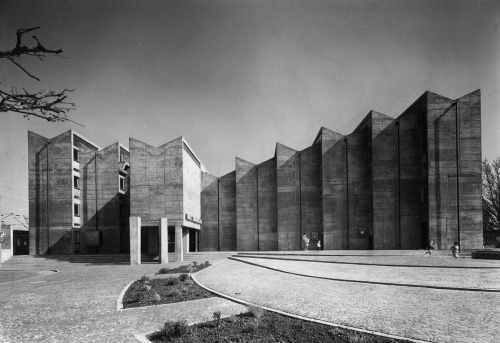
{"type": "Point", "coordinates": [428, 314]}
{"type": "Point", "coordinates": [79, 304]}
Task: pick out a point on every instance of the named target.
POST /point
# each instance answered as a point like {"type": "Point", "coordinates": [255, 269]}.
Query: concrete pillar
{"type": "Point", "coordinates": [179, 256]}
{"type": "Point", "coordinates": [135, 240]}
{"type": "Point", "coordinates": [163, 228]}
{"type": "Point", "coordinates": [185, 237]}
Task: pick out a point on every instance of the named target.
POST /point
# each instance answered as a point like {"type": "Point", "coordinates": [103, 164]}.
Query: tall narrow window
{"type": "Point", "coordinates": [76, 210]}
{"type": "Point", "coordinates": [122, 183]}
{"type": "Point", "coordinates": [76, 182]}
{"type": "Point", "coordinates": [76, 155]}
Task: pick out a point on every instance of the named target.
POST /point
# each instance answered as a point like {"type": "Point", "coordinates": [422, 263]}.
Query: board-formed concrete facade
{"type": "Point", "coordinates": [390, 184]}
{"type": "Point", "coordinates": [74, 184]}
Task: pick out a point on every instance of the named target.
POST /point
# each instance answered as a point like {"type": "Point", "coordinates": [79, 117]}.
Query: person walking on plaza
{"type": "Point", "coordinates": [455, 249]}
{"type": "Point", "coordinates": [306, 242]}
{"type": "Point", "coordinates": [318, 245]}
{"type": "Point", "coordinates": [429, 248]}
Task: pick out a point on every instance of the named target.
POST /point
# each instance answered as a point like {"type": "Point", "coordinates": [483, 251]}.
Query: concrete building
{"type": "Point", "coordinates": [390, 184]}
{"type": "Point", "coordinates": [165, 183]}
{"type": "Point", "coordinates": [75, 184]}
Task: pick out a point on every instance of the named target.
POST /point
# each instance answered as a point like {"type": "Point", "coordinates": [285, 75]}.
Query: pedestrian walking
{"type": "Point", "coordinates": [455, 249]}
{"type": "Point", "coordinates": [430, 247]}
{"type": "Point", "coordinates": [318, 245]}
{"type": "Point", "coordinates": [306, 242]}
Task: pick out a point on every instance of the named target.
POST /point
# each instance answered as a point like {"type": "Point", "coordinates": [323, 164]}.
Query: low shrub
{"type": "Point", "coordinates": [172, 293]}
{"type": "Point", "coordinates": [171, 281]}
{"type": "Point", "coordinates": [145, 279]}
{"type": "Point", "coordinates": [174, 329]}
{"type": "Point", "coordinates": [256, 311]}
{"type": "Point", "coordinates": [156, 297]}
{"type": "Point", "coordinates": [164, 271]}
{"type": "Point", "coordinates": [216, 317]}
{"type": "Point", "coordinates": [183, 277]}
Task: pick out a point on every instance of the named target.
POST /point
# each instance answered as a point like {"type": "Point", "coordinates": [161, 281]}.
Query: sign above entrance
{"type": "Point", "coordinates": [193, 219]}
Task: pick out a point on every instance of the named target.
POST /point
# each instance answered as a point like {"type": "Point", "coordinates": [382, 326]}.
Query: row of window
{"type": "Point", "coordinates": [76, 156]}
{"type": "Point", "coordinates": [76, 182]}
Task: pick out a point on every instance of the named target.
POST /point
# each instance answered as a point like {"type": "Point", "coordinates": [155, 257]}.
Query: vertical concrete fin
{"type": "Point", "coordinates": [288, 197]}
{"type": "Point", "coordinates": [469, 170]}
{"type": "Point", "coordinates": [246, 205]}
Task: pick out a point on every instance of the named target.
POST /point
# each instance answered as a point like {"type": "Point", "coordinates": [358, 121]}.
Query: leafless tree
{"type": "Point", "coordinates": [491, 195]}
{"type": "Point", "coordinates": [46, 104]}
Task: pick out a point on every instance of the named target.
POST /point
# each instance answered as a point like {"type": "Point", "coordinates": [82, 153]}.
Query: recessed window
{"type": "Point", "coordinates": [76, 210]}
{"type": "Point", "coordinates": [76, 154]}
{"type": "Point", "coordinates": [122, 183]}
{"type": "Point", "coordinates": [76, 182]}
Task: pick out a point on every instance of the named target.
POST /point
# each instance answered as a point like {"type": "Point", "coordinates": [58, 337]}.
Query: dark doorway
{"type": "Point", "coordinates": [149, 240]}
{"type": "Point", "coordinates": [171, 239]}
{"type": "Point", "coordinates": [193, 244]}
{"type": "Point", "coordinates": [21, 242]}
{"type": "Point", "coordinates": [370, 242]}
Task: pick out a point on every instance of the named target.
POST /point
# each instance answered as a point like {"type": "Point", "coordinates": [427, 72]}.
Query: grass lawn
{"type": "Point", "coordinates": [257, 325]}
{"type": "Point", "coordinates": [261, 326]}
{"type": "Point", "coordinates": [147, 292]}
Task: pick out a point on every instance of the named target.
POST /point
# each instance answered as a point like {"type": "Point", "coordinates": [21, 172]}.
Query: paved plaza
{"type": "Point", "coordinates": [435, 299]}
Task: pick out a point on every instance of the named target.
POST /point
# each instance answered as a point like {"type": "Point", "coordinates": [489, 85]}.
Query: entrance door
{"type": "Point", "coordinates": [192, 240]}
{"type": "Point", "coordinates": [149, 241]}
{"type": "Point", "coordinates": [21, 243]}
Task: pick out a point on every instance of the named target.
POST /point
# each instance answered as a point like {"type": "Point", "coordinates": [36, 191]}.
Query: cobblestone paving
{"type": "Point", "coordinates": [421, 313]}
{"type": "Point", "coordinates": [78, 304]}
{"type": "Point", "coordinates": [417, 259]}
{"type": "Point", "coordinates": [437, 277]}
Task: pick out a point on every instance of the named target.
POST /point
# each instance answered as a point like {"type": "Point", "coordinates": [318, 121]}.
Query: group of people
{"type": "Point", "coordinates": [455, 249]}
{"type": "Point", "coordinates": [305, 239]}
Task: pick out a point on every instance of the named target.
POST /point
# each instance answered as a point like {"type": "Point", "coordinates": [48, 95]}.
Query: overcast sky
{"type": "Point", "coordinates": [235, 77]}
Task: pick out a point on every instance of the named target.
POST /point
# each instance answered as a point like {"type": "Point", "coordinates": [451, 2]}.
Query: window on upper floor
{"type": "Point", "coordinates": [76, 154]}
{"type": "Point", "coordinates": [122, 183]}
{"type": "Point", "coordinates": [76, 182]}
{"type": "Point", "coordinates": [76, 210]}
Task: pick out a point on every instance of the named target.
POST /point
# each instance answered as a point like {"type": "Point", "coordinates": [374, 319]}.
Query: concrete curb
{"type": "Point", "coordinates": [55, 271]}
{"type": "Point", "coordinates": [246, 303]}
{"type": "Point", "coordinates": [370, 282]}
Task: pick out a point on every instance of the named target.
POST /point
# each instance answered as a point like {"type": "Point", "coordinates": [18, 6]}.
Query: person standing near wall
{"type": "Point", "coordinates": [455, 249]}
{"type": "Point", "coordinates": [306, 242]}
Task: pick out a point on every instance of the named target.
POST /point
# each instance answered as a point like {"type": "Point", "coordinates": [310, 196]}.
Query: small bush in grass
{"type": "Point", "coordinates": [195, 263]}
{"type": "Point", "coordinates": [184, 290]}
{"type": "Point", "coordinates": [146, 288]}
{"type": "Point", "coordinates": [216, 317]}
{"type": "Point", "coordinates": [207, 264]}
{"type": "Point", "coordinates": [156, 297]}
{"type": "Point", "coordinates": [164, 271]}
{"type": "Point", "coordinates": [172, 281]}
{"type": "Point", "coordinates": [145, 279]}
{"type": "Point", "coordinates": [255, 311]}
{"type": "Point", "coordinates": [173, 293]}
{"type": "Point", "coordinates": [174, 329]}
{"type": "Point", "coordinates": [183, 277]}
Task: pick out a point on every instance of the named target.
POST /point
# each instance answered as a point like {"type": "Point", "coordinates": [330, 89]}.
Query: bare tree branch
{"type": "Point", "coordinates": [49, 105]}
{"type": "Point", "coordinates": [27, 72]}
